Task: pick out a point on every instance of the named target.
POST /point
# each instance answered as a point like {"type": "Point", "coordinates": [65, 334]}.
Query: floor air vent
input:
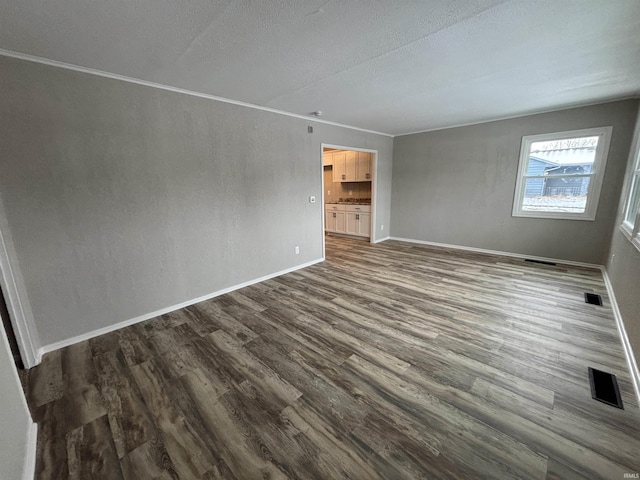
{"type": "Point", "coordinates": [539, 261]}
{"type": "Point", "coordinates": [604, 388]}
{"type": "Point", "coordinates": [593, 299]}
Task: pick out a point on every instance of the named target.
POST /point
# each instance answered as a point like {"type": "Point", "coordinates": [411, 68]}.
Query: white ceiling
{"type": "Point", "coordinates": [389, 66]}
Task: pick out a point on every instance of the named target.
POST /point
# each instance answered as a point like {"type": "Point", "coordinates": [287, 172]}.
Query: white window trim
{"type": "Point", "coordinates": [632, 232]}
{"type": "Point", "coordinates": [595, 186]}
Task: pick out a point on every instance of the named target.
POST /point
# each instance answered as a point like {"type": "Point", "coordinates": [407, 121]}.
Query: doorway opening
{"type": "Point", "coordinates": [11, 336]}
{"type": "Point", "coordinates": [349, 192]}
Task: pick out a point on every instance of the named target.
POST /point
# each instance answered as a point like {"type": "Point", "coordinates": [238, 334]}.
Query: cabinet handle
{"type": "Point", "coordinates": [344, 177]}
{"type": "Point", "coordinates": [357, 216]}
{"type": "Point", "coordinates": [367, 175]}
{"type": "Point", "coordinates": [334, 214]}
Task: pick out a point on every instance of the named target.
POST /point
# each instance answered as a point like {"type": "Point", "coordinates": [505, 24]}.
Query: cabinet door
{"type": "Point", "coordinates": [327, 159]}
{"type": "Point", "coordinates": [364, 224]}
{"type": "Point", "coordinates": [351, 161]}
{"type": "Point", "coordinates": [363, 167]}
{"type": "Point", "coordinates": [330, 221]}
{"type": "Point", "coordinates": [351, 224]}
{"type": "Point", "coordinates": [340, 222]}
{"type": "Point", "coordinates": [338, 172]}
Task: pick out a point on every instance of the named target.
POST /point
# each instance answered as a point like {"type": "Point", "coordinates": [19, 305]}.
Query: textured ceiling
{"type": "Point", "coordinates": [390, 66]}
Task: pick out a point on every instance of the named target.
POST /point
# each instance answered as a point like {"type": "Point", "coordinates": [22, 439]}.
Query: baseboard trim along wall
{"type": "Point", "coordinates": [626, 345]}
{"type": "Point", "coordinates": [631, 359]}
{"type": "Point", "coordinates": [101, 331]}
{"type": "Point", "coordinates": [29, 469]}
{"type": "Point", "coordinates": [497, 252]}
{"type": "Point", "coordinates": [378, 240]}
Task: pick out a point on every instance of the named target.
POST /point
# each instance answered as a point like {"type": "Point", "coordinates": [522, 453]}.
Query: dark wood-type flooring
{"type": "Point", "coordinates": [387, 361]}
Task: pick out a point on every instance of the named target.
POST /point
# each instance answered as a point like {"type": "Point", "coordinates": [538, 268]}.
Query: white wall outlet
{"type": "Point", "coordinates": [328, 193]}
{"type": "Point", "coordinates": [312, 199]}
{"type": "Point", "coordinates": [350, 193]}
{"type": "Point", "coordinates": [297, 250]}
{"type": "Point", "coordinates": [381, 227]}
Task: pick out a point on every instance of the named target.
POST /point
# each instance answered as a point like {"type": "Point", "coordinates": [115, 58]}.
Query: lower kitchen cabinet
{"type": "Point", "coordinates": [358, 224]}
{"type": "Point", "coordinates": [335, 218]}
{"type": "Point", "coordinates": [349, 219]}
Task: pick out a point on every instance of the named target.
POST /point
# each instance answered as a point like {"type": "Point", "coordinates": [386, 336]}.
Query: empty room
{"type": "Point", "coordinates": [320, 240]}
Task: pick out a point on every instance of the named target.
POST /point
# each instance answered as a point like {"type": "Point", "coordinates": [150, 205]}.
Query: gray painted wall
{"type": "Point", "coordinates": [624, 269]}
{"type": "Point", "coordinates": [456, 186]}
{"type": "Point", "coordinates": [15, 419]}
{"type": "Point", "coordinates": [123, 199]}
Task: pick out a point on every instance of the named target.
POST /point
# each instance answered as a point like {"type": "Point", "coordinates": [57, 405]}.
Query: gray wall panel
{"type": "Point", "coordinates": [123, 199]}
{"type": "Point", "coordinates": [456, 186]}
{"type": "Point", "coordinates": [623, 264]}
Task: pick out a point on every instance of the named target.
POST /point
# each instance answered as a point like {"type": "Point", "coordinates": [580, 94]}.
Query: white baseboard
{"type": "Point", "coordinates": [378, 240]}
{"type": "Point", "coordinates": [101, 331]}
{"type": "Point", "coordinates": [29, 469]}
{"type": "Point", "coordinates": [626, 345]}
{"type": "Point", "coordinates": [498, 252]}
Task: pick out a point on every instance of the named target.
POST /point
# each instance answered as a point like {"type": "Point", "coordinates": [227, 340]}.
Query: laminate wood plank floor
{"type": "Point", "coordinates": [386, 361]}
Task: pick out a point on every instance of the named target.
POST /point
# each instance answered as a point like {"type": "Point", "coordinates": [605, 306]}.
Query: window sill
{"type": "Point", "coordinates": [553, 215]}
{"type": "Point", "coordinates": [626, 231]}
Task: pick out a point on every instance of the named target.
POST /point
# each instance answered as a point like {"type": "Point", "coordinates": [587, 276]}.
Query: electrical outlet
{"type": "Point", "coordinates": [613, 257]}
{"type": "Point", "coordinates": [381, 227]}
{"type": "Point", "coordinates": [350, 193]}
{"type": "Point", "coordinates": [297, 250]}
{"type": "Point", "coordinates": [328, 193]}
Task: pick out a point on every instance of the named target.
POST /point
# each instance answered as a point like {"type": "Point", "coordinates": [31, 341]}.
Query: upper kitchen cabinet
{"type": "Point", "coordinates": [339, 167]}
{"type": "Point", "coordinates": [363, 167]}
{"type": "Point", "coordinates": [350, 166]}
{"type": "Point", "coordinates": [351, 161]}
{"type": "Point", "coordinates": [327, 159]}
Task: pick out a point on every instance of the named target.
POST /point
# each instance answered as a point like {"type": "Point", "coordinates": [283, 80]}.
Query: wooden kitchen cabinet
{"type": "Point", "coordinates": [339, 167]}
{"type": "Point", "coordinates": [363, 167]}
{"type": "Point", "coordinates": [364, 225]}
{"type": "Point", "coordinates": [350, 166]}
{"type": "Point", "coordinates": [334, 218]}
{"type": "Point", "coordinates": [358, 220]}
{"type": "Point", "coordinates": [327, 159]}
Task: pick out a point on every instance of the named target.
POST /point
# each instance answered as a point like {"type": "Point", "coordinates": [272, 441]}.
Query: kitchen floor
{"type": "Point", "coordinates": [385, 361]}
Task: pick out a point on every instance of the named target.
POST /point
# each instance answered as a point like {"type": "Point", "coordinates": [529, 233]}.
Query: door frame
{"type": "Point", "coordinates": [374, 184]}
{"type": "Point", "coordinates": [18, 307]}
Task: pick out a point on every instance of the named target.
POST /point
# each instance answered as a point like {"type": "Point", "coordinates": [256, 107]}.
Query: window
{"type": "Point", "coordinates": [631, 221]}
{"type": "Point", "coordinates": [560, 174]}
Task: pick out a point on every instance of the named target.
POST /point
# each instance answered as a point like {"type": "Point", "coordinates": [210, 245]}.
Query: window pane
{"type": "Point", "coordinates": [569, 167]}
{"type": "Point", "coordinates": [565, 156]}
{"type": "Point", "coordinates": [556, 194]}
{"type": "Point", "coordinates": [634, 201]}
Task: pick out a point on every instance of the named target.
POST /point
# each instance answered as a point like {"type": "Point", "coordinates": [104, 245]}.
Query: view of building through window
{"type": "Point", "coordinates": [558, 175]}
